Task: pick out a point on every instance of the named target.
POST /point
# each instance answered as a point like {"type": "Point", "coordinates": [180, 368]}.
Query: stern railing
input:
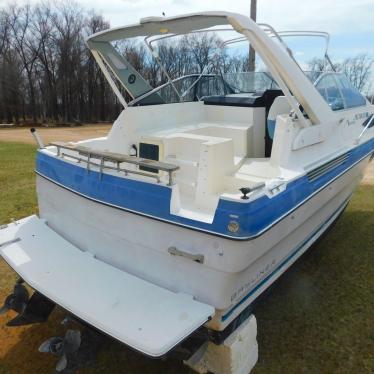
{"type": "Point", "coordinates": [116, 158]}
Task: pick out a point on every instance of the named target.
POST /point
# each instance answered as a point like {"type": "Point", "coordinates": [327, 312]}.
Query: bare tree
{"type": "Point", "coordinates": [12, 103]}
{"type": "Point", "coordinates": [202, 48]}
{"type": "Point", "coordinates": [4, 31]}
{"type": "Point", "coordinates": [48, 74]}
{"type": "Point", "coordinates": [45, 32]}
{"type": "Point", "coordinates": [316, 66]}
{"type": "Point", "coordinates": [26, 46]}
{"type": "Point", "coordinates": [358, 69]}
{"type": "Point", "coordinates": [4, 25]}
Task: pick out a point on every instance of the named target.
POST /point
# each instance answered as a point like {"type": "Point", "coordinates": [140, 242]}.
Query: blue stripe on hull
{"type": "Point", "coordinates": [153, 200]}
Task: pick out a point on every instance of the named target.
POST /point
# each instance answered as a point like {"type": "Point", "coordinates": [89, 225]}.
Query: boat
{"type": "Point", "coordinates": [203, 193]}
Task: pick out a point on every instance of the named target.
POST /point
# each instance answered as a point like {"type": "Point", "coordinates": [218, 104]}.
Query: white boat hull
{"type": "Point", "coordinates": [234, 273]}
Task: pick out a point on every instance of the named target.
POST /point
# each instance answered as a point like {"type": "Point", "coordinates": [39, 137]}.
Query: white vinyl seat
{"type": "Point", "coordinates": [279, 106]}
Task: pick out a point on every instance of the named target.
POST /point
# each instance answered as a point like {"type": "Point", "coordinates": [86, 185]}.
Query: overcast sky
{"type": "Point", "coordinates": [350, 22]}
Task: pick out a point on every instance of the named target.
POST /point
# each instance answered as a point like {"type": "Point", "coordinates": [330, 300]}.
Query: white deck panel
{"type": "Point", "coordinates": [142, 315]}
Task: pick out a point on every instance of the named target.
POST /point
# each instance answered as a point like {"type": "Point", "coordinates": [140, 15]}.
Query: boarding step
{"type": "Point", "coordinates": [148, 318]}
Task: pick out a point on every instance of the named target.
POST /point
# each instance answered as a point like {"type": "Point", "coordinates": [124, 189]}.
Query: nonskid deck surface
{"type": "Point", "coordinates": [142, 315]}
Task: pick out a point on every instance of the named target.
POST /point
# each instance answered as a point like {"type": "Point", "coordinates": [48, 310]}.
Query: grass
{"type": "Point", "coordinates": [318, 318]}
{"type": "Point", "coordinates": [17, 181]}
{"type": "Point", "coordinates": [17, 189]}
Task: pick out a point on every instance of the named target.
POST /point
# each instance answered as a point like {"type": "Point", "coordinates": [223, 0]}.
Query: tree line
{"type": "Point", "coordinates": [48, 75]}
{"type": "Point", "coordinates": [358, 69]}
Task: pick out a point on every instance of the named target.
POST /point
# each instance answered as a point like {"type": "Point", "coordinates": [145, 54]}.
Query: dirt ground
{"type": "Point", "coordinates": [66, 134]}
{"type": "Point", "coordinates": [50, 134]}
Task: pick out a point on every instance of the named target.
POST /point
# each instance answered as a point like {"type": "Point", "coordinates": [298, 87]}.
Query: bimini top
{"type": "Point", "coordinates": [286, 72]}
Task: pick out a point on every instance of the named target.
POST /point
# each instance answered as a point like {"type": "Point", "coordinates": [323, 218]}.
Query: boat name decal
{"type": "Point", "coordinates": [257, 278]}
{"type": "Point", "coordinates": [362, 115]}
{"type": "Point", "coordinates": [357, 116]}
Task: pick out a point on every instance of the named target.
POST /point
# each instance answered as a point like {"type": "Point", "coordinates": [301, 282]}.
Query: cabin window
{"type": "Point", "coordinates": [351, 95]}
{"type": "Point", "coordinates": [338, 92]}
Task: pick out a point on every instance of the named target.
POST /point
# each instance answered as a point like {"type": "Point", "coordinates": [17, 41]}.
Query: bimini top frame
{"type": "Point", "coordinates": [281, 65]}
{"type": "Point", "coordinates": [151, 40]}
{"type": "Point", "coordinates": [290, 33]}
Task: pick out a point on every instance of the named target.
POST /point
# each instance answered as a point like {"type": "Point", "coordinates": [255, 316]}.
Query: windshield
{"type": "Point", "coordinates": [338, 92]}
{"type": "Point", "coordinates": [175, 68]}
{"type": "Point", "coordinates": [202, 64]}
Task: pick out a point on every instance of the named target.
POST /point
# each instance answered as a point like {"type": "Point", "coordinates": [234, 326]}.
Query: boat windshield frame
{"type": "Point", "coordinates": [278, 59]}
{"type": "Point", "coordinates": [150, 40]}
{"type": "Point", "coordinates": [158, 88]}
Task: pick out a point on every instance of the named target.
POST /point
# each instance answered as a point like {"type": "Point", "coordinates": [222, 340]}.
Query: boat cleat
{"type": "Point", "coordinates": [34, 309]}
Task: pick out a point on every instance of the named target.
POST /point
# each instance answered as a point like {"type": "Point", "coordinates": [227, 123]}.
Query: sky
{"type": "Point", "coordinates": [350, 22]}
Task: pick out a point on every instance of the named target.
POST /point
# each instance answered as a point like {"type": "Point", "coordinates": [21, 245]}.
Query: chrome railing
{"type": "Point", "coordinates": [117, 159]}
{"type": "Point", "coordinates": [370, 122]}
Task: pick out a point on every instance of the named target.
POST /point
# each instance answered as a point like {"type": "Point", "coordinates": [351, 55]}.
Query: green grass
{"type": "Point", "coordinates": [17, 189]}
{"type": "Point", "coordinates": [318, 318]}
{"type": "Point", "coordinates": [17, 181]}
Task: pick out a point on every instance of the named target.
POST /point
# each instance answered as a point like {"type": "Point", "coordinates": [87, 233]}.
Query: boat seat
{"type": "Point", "coordinates": [279, 106]}
{"type": "Point", "coordinates": [251, 100]}
{"type": "Point", "coordinates": [204, 161]}
{"type": "Point", "coordinates": [193, 153]}
{"type": "Point", "coordinates": [239, 135]}
{"type": "Point", "coordinates": [246, 101]}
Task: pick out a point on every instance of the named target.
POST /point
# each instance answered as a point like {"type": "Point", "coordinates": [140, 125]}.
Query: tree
{"type": "Point", "coordinates": [47, 73]}
{"type": "Point", "coordinates": [48, 57]}
{"type": "Point", "coordinates": [4, 32]}
{"type": "Point", "coordinates": [316, 66]}
{"type": "Point", "coordinates": [358, 69]}
{"type": "Point", "coordinates": [26, 46]}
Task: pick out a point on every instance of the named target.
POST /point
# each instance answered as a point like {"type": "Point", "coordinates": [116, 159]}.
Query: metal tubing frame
{"type": "Point", "coordinates": [365, 128]}
{"type": "Point", "coordinates": [148, 43]}
{"type": "Point", "coordinates": [102, 166]}
{"type": "Point", "coordinates": [270, 30]}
